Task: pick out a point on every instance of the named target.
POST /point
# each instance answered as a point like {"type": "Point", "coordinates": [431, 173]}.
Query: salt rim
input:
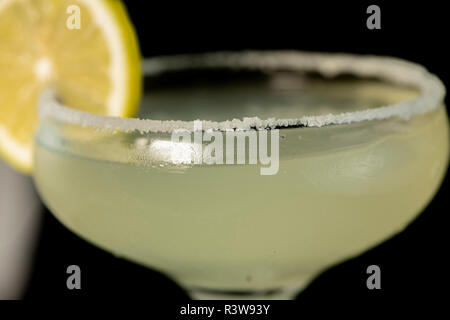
{"type": "Point", "coordinates": [329, 65]}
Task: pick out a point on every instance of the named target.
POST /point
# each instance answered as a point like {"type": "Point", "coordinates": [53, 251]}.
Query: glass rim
{"type": "Point", "coordinates": [390, 69]}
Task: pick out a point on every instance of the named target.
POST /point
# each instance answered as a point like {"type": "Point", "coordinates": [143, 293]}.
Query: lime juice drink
{"type": "Point", "coordinates": [346, 178]}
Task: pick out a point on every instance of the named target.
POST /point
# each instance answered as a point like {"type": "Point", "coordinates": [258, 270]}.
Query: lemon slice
{"type": "Point", "coordinates": [86, 49]}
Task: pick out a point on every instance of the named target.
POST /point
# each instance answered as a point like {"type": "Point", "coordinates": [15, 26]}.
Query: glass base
{"type": "Point", "coordinates": [267, 294]}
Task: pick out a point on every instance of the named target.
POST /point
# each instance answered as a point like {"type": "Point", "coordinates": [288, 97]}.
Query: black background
{"type": "Point", "coordinates": [412, 263]}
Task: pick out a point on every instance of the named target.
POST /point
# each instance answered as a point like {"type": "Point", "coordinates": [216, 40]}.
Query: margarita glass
{"type": "Point", "coordinates": [362, 142]}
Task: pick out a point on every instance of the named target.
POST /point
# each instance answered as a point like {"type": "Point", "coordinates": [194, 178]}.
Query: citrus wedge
{"type": "Point", "coordinates": [86, 49]}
